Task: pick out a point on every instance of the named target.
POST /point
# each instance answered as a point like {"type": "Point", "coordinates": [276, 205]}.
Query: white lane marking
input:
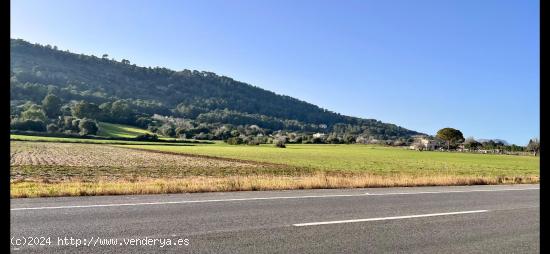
{"type": "Point", "coordinates": [386, 218]}
{"type": "Point", "coordinates": [249, 199]}
{"type": "Point", "coordinates": [182, 202]}
{"type": "Point", "coordinates": [437, 192]}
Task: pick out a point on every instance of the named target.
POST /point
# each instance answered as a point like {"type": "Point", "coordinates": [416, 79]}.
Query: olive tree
{"type": "Point", "coordinates": [534, 146]}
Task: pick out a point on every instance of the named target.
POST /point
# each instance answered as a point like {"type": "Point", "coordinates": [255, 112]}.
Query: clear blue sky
{"type": "Point", "coordinates": [423, 65]}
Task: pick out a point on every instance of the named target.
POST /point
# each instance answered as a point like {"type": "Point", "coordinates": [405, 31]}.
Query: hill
{"type": "Point", "coordinates": [164, 100]}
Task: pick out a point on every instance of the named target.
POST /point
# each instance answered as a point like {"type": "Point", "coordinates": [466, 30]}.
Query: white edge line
{"type": "Point", "coordinates": [181, 202]}
{"type": "Point", "coordinates": [251, 199]}
{"type": "Point", "coordinates": [386, 218]}
{"type": "Point", "coordinates": [436, 192]}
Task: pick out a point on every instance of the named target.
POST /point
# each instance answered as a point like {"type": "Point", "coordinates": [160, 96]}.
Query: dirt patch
{"type": "Point", "coordinates": [91, 155]}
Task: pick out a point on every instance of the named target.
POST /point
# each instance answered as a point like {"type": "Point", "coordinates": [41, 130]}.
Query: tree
{"type": "Point", "coordinates": [51, 105]}
{"type": "Point", "coordinates": [34, 112]}
{"type": "Point", "coordinates": [489, 145]}
{"type": "Point", "coordinates": [167, 130]}
{"type": "Point", "coordinates": [471, 143]}
{"type": "Point", "coordinates": [533, 146]}
{"type": "Point", "coordinates": [88, 127]}
{"type": "Point", "coordinates": [143, 122]}
{"type": "Point", "coordinates": [450, 135]}
{"type": "Point", "coordinates": [122, 112]}
{"type": "Point", "coordinates": [86, 110]}
{"type": "Point", "coordinates": [66, 110]}
{"type": "Point", "coordinates": [68, 123]}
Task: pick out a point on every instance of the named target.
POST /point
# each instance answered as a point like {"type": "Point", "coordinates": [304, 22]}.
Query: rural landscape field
{"type": "Point", "coordinates": [359, 126]}
{"type": "Point", "coordinates": [43, 166]}
{"type": "Point", "coordinates": [118, 128]}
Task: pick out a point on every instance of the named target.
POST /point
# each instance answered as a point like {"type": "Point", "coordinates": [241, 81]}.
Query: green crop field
{"type": "Point", "coordinates": [119, 130]}
{"type": "Point", "coordinates": [112, 130]}
{"type": "Point", "coordinates": [369, 159]}
{"type": "Point", "coordinates": [18, 137]}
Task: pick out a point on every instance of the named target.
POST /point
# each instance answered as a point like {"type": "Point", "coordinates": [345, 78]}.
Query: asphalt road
{"type": "Point", "coordinates": [468, 219]}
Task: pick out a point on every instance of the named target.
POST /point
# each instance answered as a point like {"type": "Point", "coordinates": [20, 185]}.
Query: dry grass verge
{"type": "Point", "coordinates": [25, 189]}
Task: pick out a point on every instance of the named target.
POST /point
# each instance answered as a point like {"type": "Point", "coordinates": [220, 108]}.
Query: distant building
{"type": "Point", "coordinates": [319, 135]}
{"type": "Point", "coordinates": [423, 143]}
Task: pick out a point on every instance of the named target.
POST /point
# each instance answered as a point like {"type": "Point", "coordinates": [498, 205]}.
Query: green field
{"type": "Point", "coordinates": [120, 130]}
{"type": "Point", "coordinates": [369, 159]}
{"type": "Point", "coordinates": [17, 137]}
{"type": "Point", "coordinates": [112, 130]}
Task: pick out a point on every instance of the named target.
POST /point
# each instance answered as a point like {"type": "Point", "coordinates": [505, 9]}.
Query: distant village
{"type": "Point", "coordinates": [416, 142]}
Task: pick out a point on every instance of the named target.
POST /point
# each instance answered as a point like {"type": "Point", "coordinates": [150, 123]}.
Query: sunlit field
{"type": "Point", "coordinates": [73, 169]}
{"type": "Point", "coordinates": [369, 159]}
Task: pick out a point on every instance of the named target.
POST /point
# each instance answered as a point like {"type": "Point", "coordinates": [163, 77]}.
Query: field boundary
{"type": "Point", "coordinates": [98, 141]}
{"type": "Point", "coordinates": [212, 157]}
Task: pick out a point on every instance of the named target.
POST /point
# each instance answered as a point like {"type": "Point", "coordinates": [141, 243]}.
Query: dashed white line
{"type": "Point", "coordinates": [386, 218]}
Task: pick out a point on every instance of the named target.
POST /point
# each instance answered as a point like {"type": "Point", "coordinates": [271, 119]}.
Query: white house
{"type": "Point", "coordinates": [423, 143]}
{"type": "Point", "coordinates": [319, 135]}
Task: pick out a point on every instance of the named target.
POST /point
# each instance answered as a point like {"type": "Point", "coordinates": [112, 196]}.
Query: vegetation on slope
{"type": "Point", "coordinates": [197, 102]}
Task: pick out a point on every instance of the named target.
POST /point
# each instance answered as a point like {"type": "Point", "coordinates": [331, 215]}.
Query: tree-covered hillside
{"type": "Point", "coordinates": [190, 102]}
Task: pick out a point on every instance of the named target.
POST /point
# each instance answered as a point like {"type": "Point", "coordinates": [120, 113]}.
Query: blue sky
{"type": "Point", "coordinates": [423, 65]}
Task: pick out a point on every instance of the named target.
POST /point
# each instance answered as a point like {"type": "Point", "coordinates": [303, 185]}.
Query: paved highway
{"type": "Point", "coordinates": [465, 219]}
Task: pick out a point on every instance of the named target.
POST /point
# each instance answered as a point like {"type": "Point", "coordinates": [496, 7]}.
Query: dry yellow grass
{"type": "Point", "coordinates": [23, 189]}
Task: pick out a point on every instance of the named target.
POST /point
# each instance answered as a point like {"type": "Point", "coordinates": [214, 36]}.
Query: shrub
{"type": "Point", "coordinates": [317, 140]}
{"type": "Point", "coordinates": [234, 141]}
{"type": "Point", "coordinates": [147, 137]}
{"type": "Point", "coordinates": [152, 128]}
{"type": "Point", "coordinates": [28, 125]}
{"type": "Point", "coordinates": [280, 143]}
{"type": "Point", "coordinates": [52, 127]}
{"type": "Point", "coordinates": [88, 127]}
{"type": "Point", "coordinates": [253, 142]}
